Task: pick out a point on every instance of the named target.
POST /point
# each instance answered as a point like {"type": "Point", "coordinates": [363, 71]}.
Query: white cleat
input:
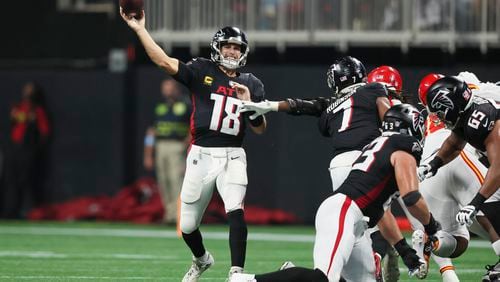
{"type": "Point", "coordinates": [287, 265]}
{"type": "Point", "coordinates": [197, 268]}
{"type": "Point", "coordinates": [232, 271]}
{"type": "Point", "coordinates": [493, 273]}
{"type": "Point", "coordinates": [242, 277]}
{"type": "Point", "coordinates": [421, 271]}
{"type": "Point", "coordinates": [418, 239]}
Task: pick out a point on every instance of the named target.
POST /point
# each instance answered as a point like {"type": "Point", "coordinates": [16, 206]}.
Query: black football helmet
{"type": "Point", "coordinates": [343, 73]}
{"type": "Point", "coordinates": [405, 119]}
{"type": "Point", "coordinates": [229, 34]}
{"type": "Point", "coordinates": [449, 97]}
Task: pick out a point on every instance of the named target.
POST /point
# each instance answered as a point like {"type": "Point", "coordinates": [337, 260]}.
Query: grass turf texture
{"type": "Point", "coordinates": [124, 252]}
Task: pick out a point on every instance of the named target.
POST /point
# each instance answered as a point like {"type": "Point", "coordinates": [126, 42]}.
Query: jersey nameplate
{"type": "Point", "coordinates": [339, 101]}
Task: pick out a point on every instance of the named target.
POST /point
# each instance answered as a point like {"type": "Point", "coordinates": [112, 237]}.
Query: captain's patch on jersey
{"type": "Point", "coordinates": [208, 80]}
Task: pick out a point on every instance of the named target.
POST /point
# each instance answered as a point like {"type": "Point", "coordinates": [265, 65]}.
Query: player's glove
{"type": "Point", "coordinates": [259, 108]}
{"type": "Point", "coordinates": [467, 214]}
{"type": "Point", "coordinates": [430, 169]}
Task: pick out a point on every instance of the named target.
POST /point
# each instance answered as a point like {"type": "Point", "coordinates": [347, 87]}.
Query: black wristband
{"type": "Point", "coordinates": [402, 247]}
{"type": "Point", "coordinates": [477, 201]}
{"type": "Point", "coordinates": [432, 227]}
{"type": "Point", "coordinates": [435, 164]}
{"type": "Point", "coordinates": [257, 121]}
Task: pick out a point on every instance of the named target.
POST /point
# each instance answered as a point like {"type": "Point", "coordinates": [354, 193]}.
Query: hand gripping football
{"type": "Point", "coordinates": [132, 7]}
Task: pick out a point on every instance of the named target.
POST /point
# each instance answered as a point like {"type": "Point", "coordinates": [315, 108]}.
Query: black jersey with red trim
{"type": "Point", "coordinates": [477, 122]}
{"type": "Point", "coordinates": [215, 119]}
{"type": "Point", "coordinates": [353, 120]}
{"type": "Point", "coordinates": [372, 181]}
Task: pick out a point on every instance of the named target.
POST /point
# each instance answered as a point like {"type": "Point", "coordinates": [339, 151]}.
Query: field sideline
{"type": "Point", "coordinates": [88, 251]}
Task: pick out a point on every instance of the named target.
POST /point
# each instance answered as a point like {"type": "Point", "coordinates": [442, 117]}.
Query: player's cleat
{"type": "Point", "coordinates": [233, 270]}
{"type": "Point", "coordinates": [492, 273]}
{"type": "Point", "coordinates": [242, 277]}
{"type": "Point", "coordinates": [391, 266]}
{"type": "Point", "coordinates": [418, 240]}
{"type": "Point", "coordinates": [287, 265]}
{"type": "Point", "coordinates": [379, 277]}
{"type": "Point", "coordinates": [197, 268]}
{"type": "Point", "coordinates": [421, 271]}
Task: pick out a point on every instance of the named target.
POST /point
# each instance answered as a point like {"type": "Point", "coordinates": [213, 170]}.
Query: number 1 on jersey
{"type": "Point", "coordinates": [231, 123]}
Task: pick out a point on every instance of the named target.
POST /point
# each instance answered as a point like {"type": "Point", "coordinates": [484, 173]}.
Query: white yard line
{"type": "Point", "coordinates": [109, 232]}
{"type": "Point", "coordinates": [50, 254]}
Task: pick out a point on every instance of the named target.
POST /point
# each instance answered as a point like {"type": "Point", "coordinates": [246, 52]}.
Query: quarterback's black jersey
{"type": "Point", "coordinates": [372, 181]}
{"type": "Point", "coordinates": [353, 120]}
{"type": "Point", "coordinates": [477, 122]}
{"type": "Point", "coordinates": [216, 120]}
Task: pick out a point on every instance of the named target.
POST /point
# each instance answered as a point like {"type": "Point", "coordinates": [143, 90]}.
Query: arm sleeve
{"type": "Point", "coordinates": [311, 107]}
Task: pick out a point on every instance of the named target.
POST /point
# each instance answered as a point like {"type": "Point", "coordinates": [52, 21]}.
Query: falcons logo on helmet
{"type": "Point", "coordinates": [441, 101]}
{"type": "Point", "coordinates": [418, 120]}
{"type": "Point", "coordinates": [219, 33]}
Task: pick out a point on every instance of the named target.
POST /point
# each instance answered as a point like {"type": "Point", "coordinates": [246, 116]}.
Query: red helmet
{"type": "Point", "coordinates": [388, 76]}
{"type": "Point", "coordinates": [425, 83]}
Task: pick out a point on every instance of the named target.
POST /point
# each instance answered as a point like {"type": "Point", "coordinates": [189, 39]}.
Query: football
{"type": "Point", "coordinates": [132, 7]}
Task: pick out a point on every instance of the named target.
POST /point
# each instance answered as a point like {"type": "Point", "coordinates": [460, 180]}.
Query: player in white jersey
{"type": "Point", "coordinates": [448, 191]}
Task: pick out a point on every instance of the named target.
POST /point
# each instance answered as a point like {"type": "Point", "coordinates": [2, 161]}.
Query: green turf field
{"type": "Point", "coordinates": [123, 252]}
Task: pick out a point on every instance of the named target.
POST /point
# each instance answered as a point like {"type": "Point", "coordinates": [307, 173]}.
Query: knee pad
{"type": "Point", "coordinates": [188, 224]}
{"type": "Point", "coordinates": [447, 244]}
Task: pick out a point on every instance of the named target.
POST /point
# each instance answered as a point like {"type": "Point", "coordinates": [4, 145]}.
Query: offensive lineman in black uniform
{"type": "Point", "coordinates": [216, 158]}
{"type": "Point", "coordinates": [352, 118]}
{"type": "Point", "coordinates": [473, 120]}
{"type": "Point", "coordinates": [387, 165]}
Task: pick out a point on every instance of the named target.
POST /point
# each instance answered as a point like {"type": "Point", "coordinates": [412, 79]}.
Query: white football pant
{"type": "Point", "coordinates": [207, 168]}
{"type": "Point", "coordinates": [342, 246]}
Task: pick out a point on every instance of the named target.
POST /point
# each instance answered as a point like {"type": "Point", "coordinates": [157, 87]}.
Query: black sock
{"type": "Point", "coordinates": [379, 243]}
{"type": "Point", "coordinates": [294, 274]}
{"type": "Point", "coordinates": [237, 237]}
{"type": "Point", "coordinates": [194, 242]}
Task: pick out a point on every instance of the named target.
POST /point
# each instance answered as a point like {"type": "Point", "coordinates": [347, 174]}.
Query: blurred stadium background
{"type": "Point", "coordinates": [101, 87]}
